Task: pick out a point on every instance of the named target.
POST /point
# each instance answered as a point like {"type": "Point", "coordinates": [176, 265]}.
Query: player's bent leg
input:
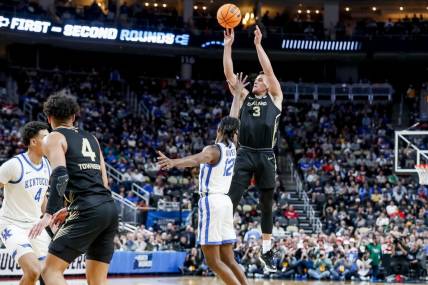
{"type": "Point", "coordinates": [212, 256]}
{"type": "Point", "coordinates": [53, 270]}
{"type": "Point", "coordinates": [241, 178]}
{"type": "Point", "coordinates": [96, 272]}
{"type": "Point", "coordinates": [31, 267]}
{"type": "Point", "coordinates": [236, 191]}
{"type": "Point", "coordinates": [228, 258]}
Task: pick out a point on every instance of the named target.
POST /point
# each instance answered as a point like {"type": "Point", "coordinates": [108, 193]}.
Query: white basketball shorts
{"type": "Point", "coordinates": [15, 237]}
{"type": "Point", "coordinates": [215, 226]}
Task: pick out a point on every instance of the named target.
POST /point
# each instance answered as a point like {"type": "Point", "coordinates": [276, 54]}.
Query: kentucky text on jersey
{"type": "Point", "coordinates": [36, 182]}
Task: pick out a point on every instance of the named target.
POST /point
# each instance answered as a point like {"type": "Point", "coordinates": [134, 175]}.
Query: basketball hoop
{"type": "Point", "coordinates": [422, 170]}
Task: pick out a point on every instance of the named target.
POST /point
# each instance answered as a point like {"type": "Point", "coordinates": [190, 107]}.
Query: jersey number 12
{"type": "Point", "coordinates": [230, 162]}
{"type": "Point", "coordinates": [87, 150]}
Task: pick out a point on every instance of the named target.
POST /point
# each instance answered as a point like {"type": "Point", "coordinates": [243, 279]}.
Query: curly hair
{"type": "Point", "coordinates": [30, 130]}
{"type": "Point", "coordinates": [229, 126]}
{"type": "Point", "coordinates": [61, 106]}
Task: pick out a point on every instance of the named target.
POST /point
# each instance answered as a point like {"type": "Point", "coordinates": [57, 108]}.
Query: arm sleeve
{"type": "Point", "coordinates": [58, 185]}
{"type": "Point", "coordinates": [11, 171]}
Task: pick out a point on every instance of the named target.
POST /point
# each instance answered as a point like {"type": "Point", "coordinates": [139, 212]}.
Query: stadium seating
{"type": "Point", "coordinates": [343, 151]}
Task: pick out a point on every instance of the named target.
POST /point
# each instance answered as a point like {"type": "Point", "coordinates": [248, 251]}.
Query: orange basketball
{"type": "Point", "coordinates": [229, 16]}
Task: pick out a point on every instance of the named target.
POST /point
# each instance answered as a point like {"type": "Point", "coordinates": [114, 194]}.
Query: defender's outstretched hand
{"type": "Point", "coordinates": [229, 36]}
{"type": "Point", "coordinates": [238, 86]}
{"type": "Point", "coordinates": [37, 229]}
{"type": "Point", "coordinates": [257, 36]}
{"type": "Point", "coordinates": [164, 162]}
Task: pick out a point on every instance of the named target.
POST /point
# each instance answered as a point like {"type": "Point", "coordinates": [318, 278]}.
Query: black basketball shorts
{"type": "Point", "coordinates": [89, 231]}
{"type": "Point", "coordinates": [261, 164]}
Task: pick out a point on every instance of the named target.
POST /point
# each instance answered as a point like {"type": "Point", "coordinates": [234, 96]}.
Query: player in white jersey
{"type": "Point", "coordinates": [25, 180]}
{"type": "Point", "coordinates": [216, 233]}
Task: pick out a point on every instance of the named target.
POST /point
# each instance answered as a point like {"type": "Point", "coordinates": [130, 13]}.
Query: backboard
{"type": "Point", "coordinates": [410, 149]}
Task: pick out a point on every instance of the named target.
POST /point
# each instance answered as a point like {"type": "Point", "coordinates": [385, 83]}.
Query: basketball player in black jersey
{"type": "Point", "coordinates": [79, 173]}
{"type": "Point", "coordinates": [259, 112]}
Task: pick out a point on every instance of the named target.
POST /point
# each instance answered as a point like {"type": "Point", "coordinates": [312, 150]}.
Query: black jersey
{"type": "Point", "coordinates": [85, 187]}
{"type": "Point", "coordinates": [259, 122]}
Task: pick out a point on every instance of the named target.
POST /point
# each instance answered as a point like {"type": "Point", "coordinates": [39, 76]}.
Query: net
{"type": "Point", "coordinates": [422, 170]}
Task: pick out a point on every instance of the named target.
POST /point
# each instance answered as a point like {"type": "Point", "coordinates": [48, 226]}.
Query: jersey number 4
{"type": "Point", "coordinates": [87, 150]}
{"type": "Point", "coordinates": [37, 196]}
{"type": "Point", "coordinates": [229, 166]}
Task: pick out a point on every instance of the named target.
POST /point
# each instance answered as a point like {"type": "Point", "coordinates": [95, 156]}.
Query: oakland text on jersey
{"type": "Point", "coordinates": [85, 166]}
{"type": "Point", "coordinates": [257, 103]}
{"type": "Point", "coordinates": [36, 182]}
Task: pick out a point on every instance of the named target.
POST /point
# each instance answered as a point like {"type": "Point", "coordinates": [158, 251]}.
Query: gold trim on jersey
{"type": "Point", "coordinates": [64, 230]}
{"type": "Point", "coordinates": [275, 130]}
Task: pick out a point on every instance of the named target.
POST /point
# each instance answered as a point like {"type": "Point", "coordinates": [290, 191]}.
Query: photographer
{"type": "Point", "coordinates": [322, 268]}
{"type": "Point", "coordinates": [193, 262]}
{"type": "Point", "coordinates": [399, 262]}
{"type": "Point", "coordinates": [341, 267]}
{"type": "Point", "coordinates": [251, 260]}
{"type": "Point", "coordinates": [417, 257]}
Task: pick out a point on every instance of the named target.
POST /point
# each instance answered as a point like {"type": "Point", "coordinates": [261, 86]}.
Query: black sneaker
{"type": "Point", "coordinates": [268, 261]}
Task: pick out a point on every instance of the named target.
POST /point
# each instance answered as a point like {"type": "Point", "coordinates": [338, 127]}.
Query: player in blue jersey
{"type": "Point", "coordinates": [216, 233]}
{"type": "Point", "coordinates": [25, 180]}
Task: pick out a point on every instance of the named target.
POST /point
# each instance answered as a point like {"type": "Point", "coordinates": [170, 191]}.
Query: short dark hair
{"type": "Point", "coordinates": [30, 130]}
{"type": "Point", "coordinates": [228, 127]}
{"type": "Point", "coordinates": [61, 106]}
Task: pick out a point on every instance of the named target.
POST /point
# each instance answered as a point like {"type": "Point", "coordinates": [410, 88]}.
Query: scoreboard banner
{"type": "Point", "coordinates": [92, 32]}
{"type": "Point", "coordinates": [10, 267]}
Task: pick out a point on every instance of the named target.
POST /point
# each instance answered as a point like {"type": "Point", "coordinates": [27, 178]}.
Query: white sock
{"type": "Point", "coordinates": [267, 245]}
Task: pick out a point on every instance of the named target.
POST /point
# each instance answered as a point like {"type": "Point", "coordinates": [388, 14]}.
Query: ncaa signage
{"type": "Point", "coordinates": [93, 32]}
{"type": "Point", "coordinates": [9, 266]}
{"type": "Point", "coordinates": [143, 261]}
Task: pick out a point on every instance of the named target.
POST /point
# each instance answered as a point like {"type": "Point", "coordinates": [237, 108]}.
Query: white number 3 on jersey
{"type": "Point", "coordinates": [87, 150]}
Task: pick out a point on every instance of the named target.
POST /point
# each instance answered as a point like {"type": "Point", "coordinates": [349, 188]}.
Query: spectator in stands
{"type": "Point", "coordinates": [253, 233]}
{"type": "Point", "coordinates": [131, 197]}
{"type": "Point", "coordinates": [374, 248]}
{"type": "Point", "coordinates": [292, 216]}
{"type": "Point", "coordinates": [278, 231]}
{"type": "Point", "coordinates": [322, 267]}
{"type": "Point", "coordinates": [193, 262]}
{"type": "Point", "coordinates": [364, 266]}
{"type": "Point", "coordinates": [251, 260]}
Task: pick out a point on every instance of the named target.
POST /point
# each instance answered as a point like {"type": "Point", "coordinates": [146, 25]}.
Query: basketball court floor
{"type": "Point", "coordinates": [195, 281]}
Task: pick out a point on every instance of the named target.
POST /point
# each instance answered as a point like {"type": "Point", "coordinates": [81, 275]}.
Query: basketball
{"type": "Point", "coordinates": [229, 16]}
